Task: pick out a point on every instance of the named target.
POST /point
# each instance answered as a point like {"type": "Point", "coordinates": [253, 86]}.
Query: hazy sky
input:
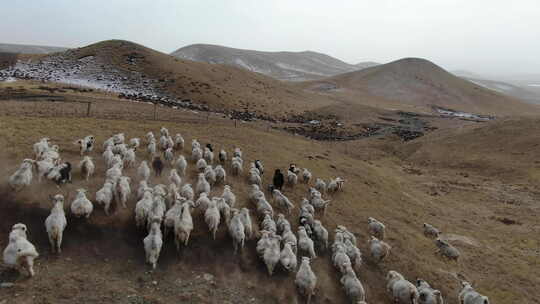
{"type": "Point", "coordinates": [484, 36]}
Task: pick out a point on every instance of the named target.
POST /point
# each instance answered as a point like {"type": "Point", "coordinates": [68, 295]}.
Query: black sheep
{"type": "Point", "coordinates": [209, 146]}
{"type": "Point", "coordinates": [157, 165]}
{"type": "Point", "coordinates": [65, 174]}
{"type": "Point", "coordinates": [278, 180]}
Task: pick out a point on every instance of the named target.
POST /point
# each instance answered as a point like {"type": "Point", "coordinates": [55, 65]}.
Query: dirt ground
{"type": "Point", "coordinates": [492, 220]}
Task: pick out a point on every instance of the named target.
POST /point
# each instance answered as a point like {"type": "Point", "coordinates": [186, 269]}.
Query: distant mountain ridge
{"type": "Point", "coordinates": [292, 66]}
{"type": "Point", "coordinates": [29, 49]}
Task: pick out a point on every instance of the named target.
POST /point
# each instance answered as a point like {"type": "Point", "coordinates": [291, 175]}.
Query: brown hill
{"type": "Point", "coordinates": [126, 67]}
{"type": "Point", "coordinates": [418, 84]}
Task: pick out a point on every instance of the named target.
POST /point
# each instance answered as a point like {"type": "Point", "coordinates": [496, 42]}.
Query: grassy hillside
{"type": "Point", "coordinates": [418, 84]}
{"type": "Point", "coordinates": [103, 259]}
{"type": "Point", "coordinates": [217, 86]}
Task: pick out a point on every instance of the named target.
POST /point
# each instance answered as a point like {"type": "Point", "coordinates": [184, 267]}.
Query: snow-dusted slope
{"type": "Point", "coordinates": [292, 66]}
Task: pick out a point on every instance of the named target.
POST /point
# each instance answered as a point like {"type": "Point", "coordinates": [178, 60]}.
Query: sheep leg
{"type": "Point", "coordinates": [59, 243]}
{"type": "Point", "coordinates": [187, 238]}
{"type": "Point", "coordinates": [52, 242]}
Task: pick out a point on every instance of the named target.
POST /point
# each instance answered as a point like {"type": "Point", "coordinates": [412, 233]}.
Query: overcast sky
{"type": "Point", "coordinates": [483, 36]}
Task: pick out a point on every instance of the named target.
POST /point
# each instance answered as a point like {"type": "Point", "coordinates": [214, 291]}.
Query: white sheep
{"type": "Point", "coordinates": [352, 285]}
{"type": "Point", "coordinates": [263, 242]}
{"type": "Point", "coordinates": [123, 190]}
{"type": "Point", "coordinates": [87, 167]}
{"type": "Point", "coordinates": [20, 253]}
{"type": "Point", "coordinates": [255, 193]}
{"type": "Point", "coordinates": [152, 148]}
{"type": "Point", "coordinates": [287, 257]}
{"type": "Point", "coordinates": [51, 153]}
{"type": "Point", "coordinates": [119, 138]}
{"type": "Point", "coordinates": [56, 223]}
{"type": "Point", "coordinates": [134, 143]}
{"type": "Point", "coordinates": [237, 230]}
{"type": "Point", "coordinates": [237, 152]}
{"type": "Point", "coordinates": [143, 187]}
{"type": "Point", "coordinates": [306, 281]}
{"type": "Point", "coordinates": [108, 156]}
{"type": "Point", "coordinates": [305, 244]}
{"type": "Point", "coordinates": [81, 206]}
{"type": "Point", "coordinates": [171, 215]}
{"type": "Point", "coordinates": [246, 221]}
{"type": "Point", "coordinates": [208, 155]}
{"type": "Point", "coordinates": [272, 253]}
{"type": "Point", "coordinates": [168, 155]}
{"type": "Point", "coordinates": [157, 211]}
{"type": "Point", "coordinates": [376, 228]}
{"type": "Point", "coordinates": [254, 178]}
{"type": "Point", "coordinates": [86, 144]}
{"type": "Point", "coordinates": [447, 250]}
{"type": "Point", "coordinates": [229, 196]}
{"type": "Point", "coordinates": [172, 195]}
{"type": "Point", "coordinates": [150, 136]}
{"type": "Point", "coordinates": [164, 131]}
{"type": "Point", "coordinates": [379, 250]}
{"type": "Point", "coordinates": [428, 295]}
{"type": "Point", "coordinates": [130, 158]}
{"type": "Point", "coordinates": [203, 201]}
{"type": "Point", "coordinates": [282, 223]}
{"type": "Point", "coordinates": [195, 144]}
{"type": "Point", "coordinates": [108, 143]}
{"type": "Point", "coordinates": [43, 168]}
{"type": "Point", "coordinates": [152, 244]}
{"type": "Point", "coordinates": [306, 176]}
{"type": "Point", "coordinates": [210, 175]}
{"type": "Point", "coordinates": [468, 295]}
{"type": "Point", "coordinates": [401, 290]}
{"type": "Point", "coordinates": [287, 236]}
{"type": "Point", "coordinates": [212, 218]}
{"type": "Point", "coordinates": [144, 171]}
{"type": "Point", "coordinates": [320, 185]}
{"type": "Point", "coordinates": [224, 209]}
{"type": "Point", "coordinates": [430, 231]}
{"type": "Point", "coordinates": [178, 142]}
{"type": "Point", "coordinates": [202, 185]}
{"type": "Point", "coordinates": [321, 234]}
{"type": "Point", "coordinates": [23, 176]}
{"type": "Point", "coordinates": [292, 178]}
{"type": "Point", "coordinates": [196, 155]}
{"type": "Point", "coordinates": [105, 195]}
{"type": "Point", "coordinates": [120, 149]}
{"type": "Point", "coordinates": [263, 207]}
{"type": "Point", "coordinates": [354, 254]}
{"type": "Point", "coordinates": [114, 173]}
{"type": "Point", "coordinates": [175, 178]}
{"type": "Point", "coordinates": [181, 164]}
{"type": "Point", "coordinates": [142, 209]}
{"type": "Point", "coordinates": [268, 224]}
{"type": "Point", "coordinates": [281, 200]}
{"type": "Point", "coordinates": [320, 204]}
{"type": "Point", "coordinates": [183, 225]}
{"type": "Point", "coordinates": [201, 165]}
{"type": "Point", "coordinates": [340, 257]}
{"type": "Point", "coordinates": [187, 192]}
{"type": "Point", "coordinates": [222, 156]}
{"type": "Point", "coordinates": [18, 230]}
{"type": "Point", "coordinates": [164, 143]}
{"type": "Point", "coordinates": [41, 146]}
{"type": "Point", "coordinates": [335, 185]}
{"type": "Point", "coordinates": [236, 167]}
{"type": "Point", "coordinates": [221, 175]}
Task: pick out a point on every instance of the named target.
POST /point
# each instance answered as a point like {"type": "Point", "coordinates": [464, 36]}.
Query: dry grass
{"type": "Point", "coordinates": [376, 187]}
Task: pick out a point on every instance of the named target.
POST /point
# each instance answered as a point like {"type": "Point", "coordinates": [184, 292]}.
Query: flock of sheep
{"type": "Point", "coordinates": [163, 210]}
